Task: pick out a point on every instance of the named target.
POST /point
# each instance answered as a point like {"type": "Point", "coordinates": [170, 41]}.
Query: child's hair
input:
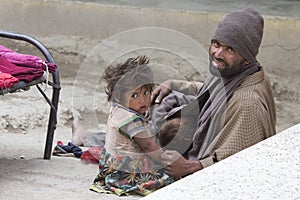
{"type": "Point", "coordinates": [127, 76]}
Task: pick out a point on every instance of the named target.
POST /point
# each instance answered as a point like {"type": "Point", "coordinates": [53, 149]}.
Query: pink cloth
{"type": "Point", "coordinates": [22, 73]}
{"type": "Point", "coordinates": [92, 155]}
{"type": "Point", "coordinates": [7, 80]}
{"type": "Point", "coordinates": [26, 60]}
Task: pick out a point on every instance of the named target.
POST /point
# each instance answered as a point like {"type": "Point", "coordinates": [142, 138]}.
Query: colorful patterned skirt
{"type": "Point", "coordinates": [123, 175]}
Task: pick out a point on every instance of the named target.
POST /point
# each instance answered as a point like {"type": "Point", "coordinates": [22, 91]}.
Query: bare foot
{"type": "Point", "coordinates": [79, 133]}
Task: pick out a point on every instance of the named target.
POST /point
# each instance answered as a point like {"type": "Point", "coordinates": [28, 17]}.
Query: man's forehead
{"type": "Point", "coordinates": [222, 43]}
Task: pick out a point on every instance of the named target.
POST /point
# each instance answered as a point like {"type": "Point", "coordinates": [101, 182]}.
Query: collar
{"type": "Point", "coordinates": [114, 104]}
{"type": "Point", "coordinates": [254, 78]}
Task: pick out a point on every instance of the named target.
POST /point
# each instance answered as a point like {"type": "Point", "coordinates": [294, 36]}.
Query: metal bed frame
{"type": "Point", "coordinates": [53, 103]}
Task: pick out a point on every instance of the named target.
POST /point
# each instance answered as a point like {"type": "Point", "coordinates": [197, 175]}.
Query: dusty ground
{"type": "Point", "coordinates": [24, 118]}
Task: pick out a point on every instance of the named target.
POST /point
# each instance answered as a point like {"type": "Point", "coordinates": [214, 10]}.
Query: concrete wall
{"type": "Point", "coordinates": [267, 170]}
{"type": "Point", "coordinates": [279, 53]}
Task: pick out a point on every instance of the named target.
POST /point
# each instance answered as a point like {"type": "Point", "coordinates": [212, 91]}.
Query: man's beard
{"type": "Point", "coordinates": [227, 71]}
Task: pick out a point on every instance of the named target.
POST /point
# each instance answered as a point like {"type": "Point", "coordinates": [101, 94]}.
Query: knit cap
{"type": "Point", "coordinates": [243, 31]}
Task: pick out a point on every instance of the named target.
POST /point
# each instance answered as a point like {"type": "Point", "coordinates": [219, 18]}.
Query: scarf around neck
{"type": "Point", "coordinates": [212, 99]}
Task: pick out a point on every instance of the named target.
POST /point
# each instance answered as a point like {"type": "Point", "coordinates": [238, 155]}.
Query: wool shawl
{"type": "Point", "coordinates": [212, 99]}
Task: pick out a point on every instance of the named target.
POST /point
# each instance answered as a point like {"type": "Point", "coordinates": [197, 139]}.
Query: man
{"type": "Point", "coordinates": [235, 105]}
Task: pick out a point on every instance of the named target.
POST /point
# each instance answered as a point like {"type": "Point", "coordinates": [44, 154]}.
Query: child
{"type": "Point", "coordinates": [130, 160]}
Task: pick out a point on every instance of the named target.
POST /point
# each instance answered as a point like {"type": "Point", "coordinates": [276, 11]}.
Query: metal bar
{"type": "Point", "coordinates": [55, 90]}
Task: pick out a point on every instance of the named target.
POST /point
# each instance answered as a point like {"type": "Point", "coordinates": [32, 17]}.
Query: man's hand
{"type": "Point", "coordinates": [177, 166]}
{"type": "Point", "coordinates": [161, 91]}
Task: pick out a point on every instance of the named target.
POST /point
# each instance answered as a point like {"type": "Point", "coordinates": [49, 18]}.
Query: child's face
{"type": "Point", "coordinates": [138, 99]}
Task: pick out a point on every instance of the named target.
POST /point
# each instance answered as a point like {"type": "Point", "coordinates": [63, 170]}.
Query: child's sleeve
{"type": "Point", "coordinates": [131, 127]}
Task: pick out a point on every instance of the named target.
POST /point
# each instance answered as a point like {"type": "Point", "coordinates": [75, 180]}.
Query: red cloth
{"type": "Point", "coordinates": [25, 60]}
{"type": "Point", "coordinates": [22, 73]}
{"type": "Point", "coordinates": [7, 80]}
{"type": "Point", "coordinates": [92, 154]}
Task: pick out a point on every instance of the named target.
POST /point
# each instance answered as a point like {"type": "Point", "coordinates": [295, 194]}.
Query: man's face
{"type": "Point", "coordinates": [224, 61]}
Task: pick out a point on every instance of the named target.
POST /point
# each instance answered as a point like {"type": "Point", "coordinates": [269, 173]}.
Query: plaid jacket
{"type": "Point", "coordinates": [250, 117]}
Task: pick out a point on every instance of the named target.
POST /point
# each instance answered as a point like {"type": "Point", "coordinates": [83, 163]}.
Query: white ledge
{"type": "Point", "coordinates": [267, 170]}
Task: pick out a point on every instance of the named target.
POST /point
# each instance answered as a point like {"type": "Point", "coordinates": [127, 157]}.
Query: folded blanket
{"type": "Point", "coordinates": [22, 73]}
{"type": "Point", "coordinates": [25, 60]}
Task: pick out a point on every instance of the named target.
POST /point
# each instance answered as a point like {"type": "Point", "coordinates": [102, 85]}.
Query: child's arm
{"type": "Point", "coordinates": [148, 145]}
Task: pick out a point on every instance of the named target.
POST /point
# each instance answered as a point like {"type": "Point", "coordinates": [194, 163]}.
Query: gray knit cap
{"type": "Point", "coordinates": [243, 31]}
